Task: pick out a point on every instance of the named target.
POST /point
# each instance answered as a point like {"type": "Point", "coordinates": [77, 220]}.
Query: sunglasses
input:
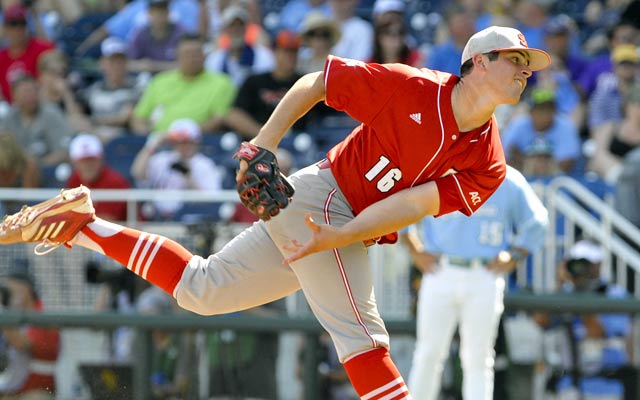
{"type": "Point", "coordinates": [392, 32]}
{"type": "Point", "coordinates": [15, 23]}
{"type": "Point", "coordinates": [319, 33]}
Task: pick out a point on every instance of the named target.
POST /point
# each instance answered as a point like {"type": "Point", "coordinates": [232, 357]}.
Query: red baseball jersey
{"type": "Point", "coordinates": [408, 136]}
{"type": "Point", "coordinates": [108, 178]}
{"type": "Point", "coordinates": [13, 67]}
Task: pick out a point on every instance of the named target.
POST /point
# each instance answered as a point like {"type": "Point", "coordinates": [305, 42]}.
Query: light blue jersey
{"type": "Point", "coordinates": [493, 227]}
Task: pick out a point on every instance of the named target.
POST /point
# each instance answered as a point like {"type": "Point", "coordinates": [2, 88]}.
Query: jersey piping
{"type": "Point", "coordinates": [441, 137]}
{"type": "Point", "coordinates": [343, 274]}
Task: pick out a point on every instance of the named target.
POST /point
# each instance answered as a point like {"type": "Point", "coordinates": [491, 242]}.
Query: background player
{"type": "Point", "coordinates": [464, 262]}
{"type": "Point", "coordinates": [428, 144]}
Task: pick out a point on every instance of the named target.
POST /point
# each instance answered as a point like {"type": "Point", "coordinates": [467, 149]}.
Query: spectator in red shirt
{"type": "Point", "coordinates": [87, 158]}
{"type": "Point", "coordinates": [31, 351]}
{"type": "Point", "coordinates": [20, 56]}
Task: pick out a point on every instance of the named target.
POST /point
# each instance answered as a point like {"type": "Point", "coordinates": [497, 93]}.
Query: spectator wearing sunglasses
{"type": "Point", "coordinates": [319, 33]}
{"type": "Point", "coordinates": [391, 45]}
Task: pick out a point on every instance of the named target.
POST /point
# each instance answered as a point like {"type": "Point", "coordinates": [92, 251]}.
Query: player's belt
{"type": "Point", "coordinates": [467, 262]}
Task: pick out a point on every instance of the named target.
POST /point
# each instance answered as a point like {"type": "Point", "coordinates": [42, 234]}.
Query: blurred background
{"type": "Point", "coordinates": [130, 98]}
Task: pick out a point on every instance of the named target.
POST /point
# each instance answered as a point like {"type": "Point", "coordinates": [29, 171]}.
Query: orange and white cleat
{"type": "Point", "coordinates": [53, 222]}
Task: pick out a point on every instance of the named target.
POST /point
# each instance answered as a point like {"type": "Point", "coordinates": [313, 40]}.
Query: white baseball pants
{"type": "Point", "coordinates": [249, 271]}
{"type": "Point", "coordinates": [473, 298]}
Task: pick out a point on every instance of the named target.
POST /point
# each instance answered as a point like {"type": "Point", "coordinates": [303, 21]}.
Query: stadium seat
{"type": "Point", "coordinates": [120, 152]}
{"type": "Point", "coordinates": [78, 31]}
{"type": "Point", "coordinates": [302, 147]}
{"type": "Point", "coordinates": [193, 213]}
{"type": "Point", "coordinates": [221, 148]}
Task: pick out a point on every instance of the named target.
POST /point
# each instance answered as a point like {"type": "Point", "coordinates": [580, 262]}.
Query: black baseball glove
{"type": "Point", "coordinates": [263, 189]}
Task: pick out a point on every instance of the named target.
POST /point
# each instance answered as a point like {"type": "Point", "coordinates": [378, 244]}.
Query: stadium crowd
{"type": "Point", "coordinates": [158, 93]}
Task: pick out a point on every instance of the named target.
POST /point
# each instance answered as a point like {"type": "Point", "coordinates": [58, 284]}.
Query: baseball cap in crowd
{"type": "Point", "coordinates": [558, 25]}
{"type": "Point", "coordinates": [85, 145]}
{"type": "Point", "coordinates": [625, 53]}
{"type": "Point", "coordinates": [16, 13]}
{"type": "Point", "coordinates": [113, 46]}
{"type": "Point", "coordinates": [184, 130]}
{"type": "Point", "coordinates": [287, 39]}
{"type": "Point", "coordinates": [500, 38]}
{"type": "Point", "coordinates": [317, 21]}
{"type": "Point", "coordinates": [586, 250]}
{"type": "Point", "coordinates": [233, 13]}
{"type": "Point", "coordinates": [542, 96]}
{"type": "Point", "coordinates": [154, 3]}
{"type": "Point", "coordinates": [384, 6]}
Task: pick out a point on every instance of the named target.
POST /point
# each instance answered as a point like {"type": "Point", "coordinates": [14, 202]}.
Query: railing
{"type": "Point", "coordinates": [581, 209]}
{"type": "Point", "coordinates": [131, 197]}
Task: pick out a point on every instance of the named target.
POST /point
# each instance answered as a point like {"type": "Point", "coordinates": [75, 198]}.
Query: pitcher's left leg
{"type": "Point", "coordinates": [339, 288]}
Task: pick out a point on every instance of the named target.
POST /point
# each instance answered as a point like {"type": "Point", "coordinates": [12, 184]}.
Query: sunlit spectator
{"type": "Point", "coordinates": [57, 88]}
{"type": "Point", "coordinates": [181, 166]}
{"type": "Point", "coordinates": [605, 104]}
{"type": "Point", "coordinates": [260, 93]}
{"type": "Point", "coordinates": [40, 128]}
{"type": "Point", "coordinates": [124, 23]}
{"type": "Point", "coordinates": [240, 59]}
{"type": "Point", "coordinates": [153, 46]}
{"type": "Point", "coordinates": [391, 45]}
{"type": "Point", "coordinates": [320, 33]}
{"type": "Point", "coordinates": [621, 33]}
{"type": "Point", "coordinates": [89, 169]}
{"type": "Point", "coordinates": [356, 41]}
{"type": "Point", "coordinates": [20, 55]}
{"type": "Point", "coordinates": [542, 142]}
{"type": "Point", "coordinates": [111, 99]}
{"type": "Point", "coordinates": [614, 140]}
{"type": "Point", "coordinates": [446, 56]}
{"type": "Point", "coordinates": [294, 12]}
{"type": "Point", "coordinates": [17, 170]}
{"type": "Point", "coordinates": [186, 92]}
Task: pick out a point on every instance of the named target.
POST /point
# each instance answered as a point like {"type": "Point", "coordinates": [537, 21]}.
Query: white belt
{"type": "Point", "coordinates": [42, 367]}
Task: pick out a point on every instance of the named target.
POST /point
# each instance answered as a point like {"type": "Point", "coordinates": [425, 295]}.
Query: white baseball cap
{"type": "Point", "coordinates": [500, 38]}
{"type": "Point", "coordinates": [112, 46]}
{"type": "Point", "coordinates": [232, 13]}
{"type": "Point", "coordinates": [85, 145]}
{"type": "Point", "coordinates": [585, 249]}
{"type": "Point", "coordinates": [184, 129]}
{"type": "Point", "coordinates": [383, 6]}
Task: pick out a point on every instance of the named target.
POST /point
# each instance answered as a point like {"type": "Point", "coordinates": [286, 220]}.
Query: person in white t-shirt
{"type": "Point", "coordinates": [176, 167]}
{"type": "Point", "coordinates": [356, 41]}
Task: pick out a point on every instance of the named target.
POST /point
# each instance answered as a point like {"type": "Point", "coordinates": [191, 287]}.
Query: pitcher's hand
{"type": "Point", "coordinates": [323, 237]}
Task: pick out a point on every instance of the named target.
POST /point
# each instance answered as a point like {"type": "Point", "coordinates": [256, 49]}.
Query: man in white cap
{"type": "Point", "coordinates": [112, 98]}
{"type": "Point", "coordinates": [241, 59]}
{"type": "Point", "coordinates": [89, 169]}
{"type": "Point", "coordinates": [388, 9]}
{"type": "Point", "coordinates": [428, 144]}
{"type": "Point", "coordinates": [181, 166]}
